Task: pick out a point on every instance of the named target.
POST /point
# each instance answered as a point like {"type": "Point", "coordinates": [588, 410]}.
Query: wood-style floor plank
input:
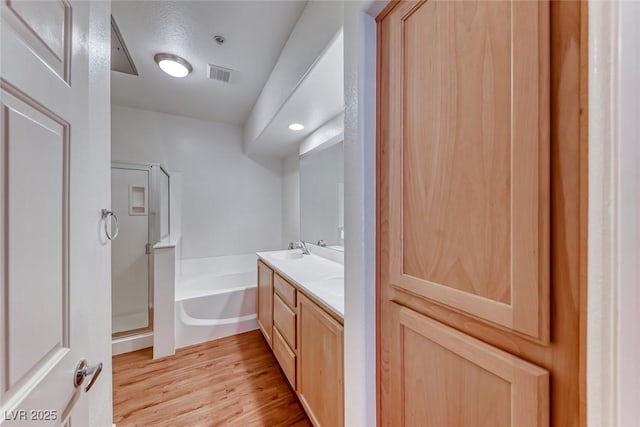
{"type": "Point", "coordinates": [234, 381]}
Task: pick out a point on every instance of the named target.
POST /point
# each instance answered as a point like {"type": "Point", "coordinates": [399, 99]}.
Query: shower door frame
{"type": "Point", "coordinates": [154, 171]}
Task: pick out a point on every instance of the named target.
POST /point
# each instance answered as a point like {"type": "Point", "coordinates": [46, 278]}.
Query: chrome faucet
{"type": "Point", "coordinates": [300, 245]}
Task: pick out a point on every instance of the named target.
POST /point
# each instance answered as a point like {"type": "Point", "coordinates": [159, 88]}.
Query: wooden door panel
{"type": "Point", "coordinates": [461, 128]}
{"type": "Point", "coordinates": [265, 301]}
{"type": "Point", "coordinates": [453, 379]}
{"type": "Point", "coordinates": [320, 369]}
{"type": "Point", "coordinates": [468, 95]}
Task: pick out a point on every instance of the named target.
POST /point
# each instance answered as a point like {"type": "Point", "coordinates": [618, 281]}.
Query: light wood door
{"type": "Point", "coordinates": [442, 377]}
{"type": "Point", "coordinates": [481, 191]}
{"type": "Point", "coordinates": [470, 220]}
{"type": "Point", "coordinates": [265, 301]}
{"type": "Point", "coordinates": [320, 372]}
{"type": "Point", "coordinates": [54, 180]}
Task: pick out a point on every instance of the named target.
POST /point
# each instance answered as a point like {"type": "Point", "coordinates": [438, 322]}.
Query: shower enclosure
{"type": "Point", "coordinates": [140, 202]}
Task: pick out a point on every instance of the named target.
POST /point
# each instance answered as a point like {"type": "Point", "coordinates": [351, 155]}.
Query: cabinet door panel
{"type": "Point", "coordinates": [265, 301]}
{"type": "Point", "coordinates": [320, 364]}
{"type": "Point", "coordinates": [463, 381]}
{"type": "Point", "coordinates": [467, 90]}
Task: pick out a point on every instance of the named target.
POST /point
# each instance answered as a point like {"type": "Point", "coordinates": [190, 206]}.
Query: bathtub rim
{"type": "Point", "coordinates": [212, 292]}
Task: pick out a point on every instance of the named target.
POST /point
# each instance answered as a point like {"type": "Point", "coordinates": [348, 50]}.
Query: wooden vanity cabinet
{"type": "Point", "coordinates": [308, 343]}
{"type": "Point", "coordinates": [265, 301]}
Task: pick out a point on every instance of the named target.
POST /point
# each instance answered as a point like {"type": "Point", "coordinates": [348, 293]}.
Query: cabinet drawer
{"type": "Point", "coordinates": [285, 319]}
{"type": "Point", "coordinates": [286, 357]}
{"type": "Point", "coordinates": [285, 290]}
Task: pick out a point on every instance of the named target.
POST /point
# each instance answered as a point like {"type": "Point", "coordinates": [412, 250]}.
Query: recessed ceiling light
{"type": "Point", "coordinates": [173, 64]}
{"type": "Point", "coordinates": [296, 126]}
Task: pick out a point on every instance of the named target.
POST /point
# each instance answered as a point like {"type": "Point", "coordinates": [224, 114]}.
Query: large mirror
{"type": "Point", "coordinates": [322, 196]}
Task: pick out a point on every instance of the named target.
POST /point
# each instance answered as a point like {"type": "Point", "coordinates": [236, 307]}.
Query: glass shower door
{"type": "Point", "coordinates": [130, 258]}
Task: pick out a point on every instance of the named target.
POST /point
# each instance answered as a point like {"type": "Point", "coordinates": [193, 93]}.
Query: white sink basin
{"type": "Point", "coordinates": [320, 277]}
{"type": "Point", "coordinates": [288, 255]}
{"type": "Point", "coordinates": [334, 285]}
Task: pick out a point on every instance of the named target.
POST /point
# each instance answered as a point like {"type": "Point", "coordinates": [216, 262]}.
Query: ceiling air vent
{"type": "Point", "coordinates": [218, 73]}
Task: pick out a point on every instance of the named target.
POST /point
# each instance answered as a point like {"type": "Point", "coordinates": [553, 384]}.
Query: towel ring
{"type": "Point", "coordinates": [106, 216]}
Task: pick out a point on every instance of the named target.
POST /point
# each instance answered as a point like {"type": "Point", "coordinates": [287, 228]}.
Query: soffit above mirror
{"type": "Point", "coordinates": [317, 99]}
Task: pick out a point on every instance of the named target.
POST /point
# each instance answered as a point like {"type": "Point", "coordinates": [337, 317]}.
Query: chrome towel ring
{"type": "Point", "coordinates": [106, 216]}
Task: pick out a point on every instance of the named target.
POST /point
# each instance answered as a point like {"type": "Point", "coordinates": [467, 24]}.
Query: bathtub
{"type": "Point", "coordinates": [215, 298]}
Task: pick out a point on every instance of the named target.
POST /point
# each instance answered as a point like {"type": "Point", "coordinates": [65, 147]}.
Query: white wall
{"type": "Point", "coordinates": [360, 211]}
{"type": "Point", "coordinates": [291, 200]}
{"type": "Point", "coordinates": [99, 272]}
{"type": "Point", "coordinates": [629, 199]}
{"type": "Point", "coordinates": [231, 203]}
{"type": "Point", "coordinates": [319, 23]}
{"type": "Point", "coordinates": [175, 216]}
{"type": "Point", "coordinates": [613, 340]}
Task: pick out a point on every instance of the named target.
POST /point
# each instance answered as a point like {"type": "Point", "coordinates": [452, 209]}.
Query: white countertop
{"type": "Point", "coordinates": [320, 277]}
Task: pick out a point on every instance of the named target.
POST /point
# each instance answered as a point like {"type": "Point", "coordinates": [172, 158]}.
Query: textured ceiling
{"type": "Point", "coordinates": [255, 33]}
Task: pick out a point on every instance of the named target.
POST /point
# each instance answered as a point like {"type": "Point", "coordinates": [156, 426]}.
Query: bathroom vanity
{"type": "Point", "coordinates": [301, 315]}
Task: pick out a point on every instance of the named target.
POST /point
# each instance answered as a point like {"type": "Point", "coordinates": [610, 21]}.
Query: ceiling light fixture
{"type": "Point", "coordinates": [296, 126]}
{"type": "Point", "coordinates": [173, 65]}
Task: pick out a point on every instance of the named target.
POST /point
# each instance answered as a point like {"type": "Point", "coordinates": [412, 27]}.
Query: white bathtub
{"type": "Point", "coordinates": [215, 298]}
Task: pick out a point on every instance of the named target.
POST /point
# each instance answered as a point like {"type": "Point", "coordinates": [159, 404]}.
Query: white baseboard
{"type": "Point", "coordinates": [129, 344]}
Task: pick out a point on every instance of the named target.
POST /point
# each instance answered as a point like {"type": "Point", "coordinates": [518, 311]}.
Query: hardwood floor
{"type": "Point", "coordinates": [234, 381]}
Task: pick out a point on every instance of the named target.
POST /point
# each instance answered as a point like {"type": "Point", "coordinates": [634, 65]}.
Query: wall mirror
{"type": "Point", "coordinates": [322, 196]}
